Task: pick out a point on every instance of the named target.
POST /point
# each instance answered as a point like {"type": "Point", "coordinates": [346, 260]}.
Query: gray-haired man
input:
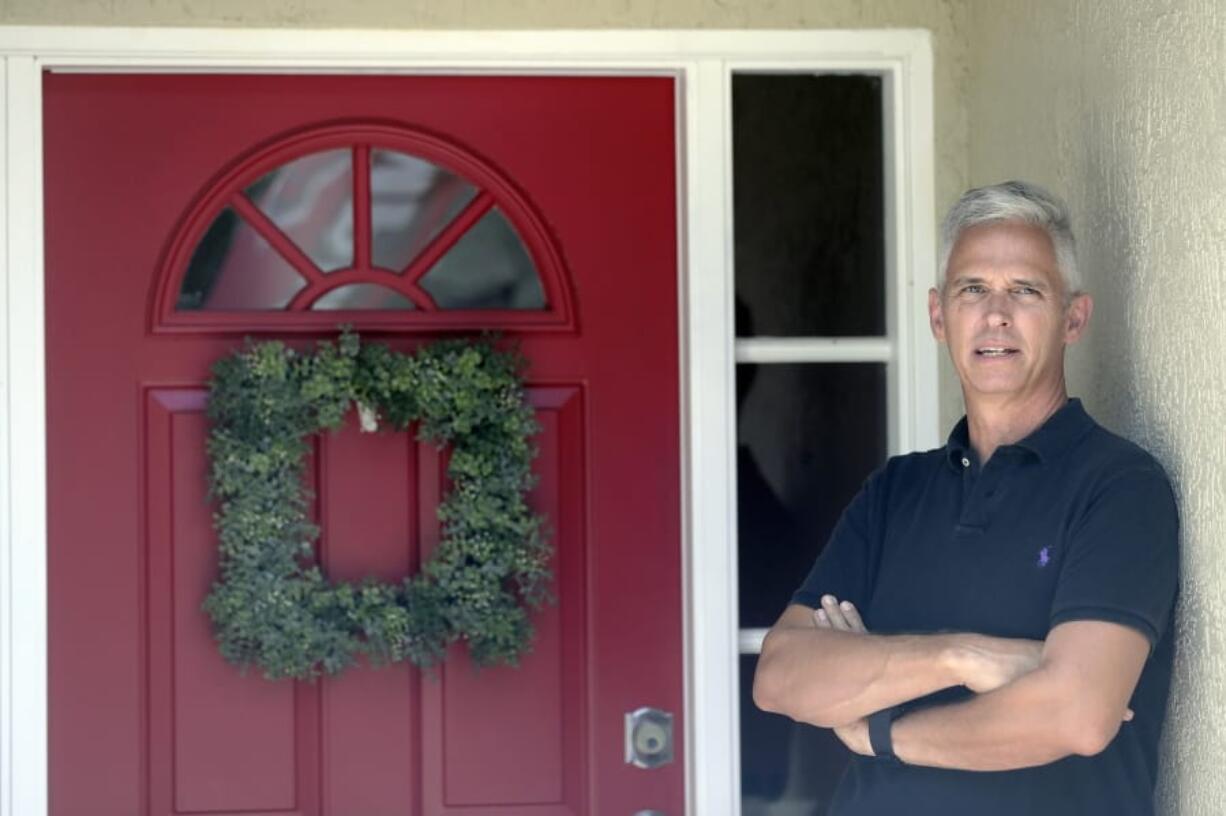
{"type": "Point", "coordinates": [1018, 582]}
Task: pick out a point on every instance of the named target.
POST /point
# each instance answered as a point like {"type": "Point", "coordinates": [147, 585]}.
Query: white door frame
{"type": "Point", "coordinates": [703, 62]}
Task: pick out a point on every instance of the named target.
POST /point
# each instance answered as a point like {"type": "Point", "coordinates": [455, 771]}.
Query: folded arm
{"type": "Point", "coordinates": [1073, 703]}
{"type": "Point", "coordinates": [833, 674]}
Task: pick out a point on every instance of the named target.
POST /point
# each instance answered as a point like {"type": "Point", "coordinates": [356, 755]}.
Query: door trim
{"type": "Point", "coordinates": [703, 62]}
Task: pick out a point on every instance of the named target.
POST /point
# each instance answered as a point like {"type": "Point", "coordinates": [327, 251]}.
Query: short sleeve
{"type": "Point", "coordinates": [844, 567]}
{"type": "Point", "coordinates": [1122, 558]}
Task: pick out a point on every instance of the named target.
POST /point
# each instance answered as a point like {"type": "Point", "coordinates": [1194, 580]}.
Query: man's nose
{"type": "Point", "coordinates": [999, 309]}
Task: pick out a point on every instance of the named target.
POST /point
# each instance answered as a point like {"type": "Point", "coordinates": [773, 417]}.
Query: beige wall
{"type": "Point", "coordinates": [1121, 106]}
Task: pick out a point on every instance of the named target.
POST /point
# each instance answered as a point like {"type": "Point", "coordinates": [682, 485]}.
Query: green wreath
{"type": "Point", "coordinates": [271, 605]}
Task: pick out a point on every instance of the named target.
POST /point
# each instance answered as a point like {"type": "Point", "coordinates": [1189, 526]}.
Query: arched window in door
{"type": "Point", "coordinates": [376, 225]}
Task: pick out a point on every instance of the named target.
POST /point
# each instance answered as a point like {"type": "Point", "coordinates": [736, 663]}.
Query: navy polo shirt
{"type": "Point", "coordinates": [1071, 523]}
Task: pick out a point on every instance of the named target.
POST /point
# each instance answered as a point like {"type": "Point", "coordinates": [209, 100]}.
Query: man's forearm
{"type": "Point", "coordinates": [1030, 721]}
{"type": "Point", "coordinates": [829, 678]}
{"type": "Point", "coordinates": [823, 667]}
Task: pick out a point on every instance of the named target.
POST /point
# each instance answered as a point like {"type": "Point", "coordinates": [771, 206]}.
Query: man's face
{"type": "Point", "coordinates": [1003, 313]}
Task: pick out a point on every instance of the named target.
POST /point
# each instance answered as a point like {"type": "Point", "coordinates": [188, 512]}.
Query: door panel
{"type": "Point", "coordinates": [218, 741]}
{"type": "Point", "coordinates": [369, 514]}
{"type": "Point", "coordinates": [145, 716]}
{"type": "Point", "coordinates": [484, 752]}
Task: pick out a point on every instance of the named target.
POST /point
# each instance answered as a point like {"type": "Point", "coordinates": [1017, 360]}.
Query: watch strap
{"type": "Point", "coordinates": [879, 733]}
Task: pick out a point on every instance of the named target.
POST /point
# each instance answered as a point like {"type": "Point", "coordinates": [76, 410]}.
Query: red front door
{"type": "Point", "coordinates": [145, 716]}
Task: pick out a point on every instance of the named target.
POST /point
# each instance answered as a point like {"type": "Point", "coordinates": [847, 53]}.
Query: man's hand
{"type": "Point", "coordinates": [844, 616]}
{"type": "Point", "coordinates": [855, 736]}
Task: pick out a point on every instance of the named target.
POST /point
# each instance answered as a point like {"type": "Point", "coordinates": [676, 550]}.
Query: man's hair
{"type": "Point", "coordinates": [1014, 201]}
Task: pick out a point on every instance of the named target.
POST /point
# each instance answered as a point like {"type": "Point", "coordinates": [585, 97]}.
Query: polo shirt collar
{"type": "Point", "coordinates": [1061, 430]}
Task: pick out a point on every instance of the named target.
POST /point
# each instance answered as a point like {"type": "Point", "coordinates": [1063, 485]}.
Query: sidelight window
{"type": "Point", "coordinates": [813, 382]}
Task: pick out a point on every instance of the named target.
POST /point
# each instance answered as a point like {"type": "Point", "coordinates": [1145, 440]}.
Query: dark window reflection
{"type": "Point", "coordinates": [488, 268]}
{"type": "Point", "coordinates": [808, 436]}
{"type": "Point", "coordinates": [310, 199]}
{"type": "Point", "coordinates": [362, 296]}
{"type": "Point", "coordinates": [808, 203]}
{"type": "Point", "coordinates": [411, 201]}
{"type": "Point", "coordinates": [786, 767]}
{"type": "Point", "coordinates": [233, 267]}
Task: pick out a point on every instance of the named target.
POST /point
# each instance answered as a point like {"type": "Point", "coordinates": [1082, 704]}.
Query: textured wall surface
{"type": "Point", "coordinates": [1121, 107]}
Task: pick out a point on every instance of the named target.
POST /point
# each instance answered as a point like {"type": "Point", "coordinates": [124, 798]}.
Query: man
{"type": "Point", "coordinates": [989, 627]}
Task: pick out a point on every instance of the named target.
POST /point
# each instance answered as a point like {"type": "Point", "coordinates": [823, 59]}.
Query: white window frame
{"type": "Point", "coordinates": [703, 62]}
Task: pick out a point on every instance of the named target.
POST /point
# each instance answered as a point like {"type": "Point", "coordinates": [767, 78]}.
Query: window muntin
{"type": "Point", "coordinates": [229, 262]}
{"type": "Point", "coordinates": [412, 200]}
{"type": "Point", "coordinates": [486, 269]}
{"type": "Point", "coordinates": [310, 200]}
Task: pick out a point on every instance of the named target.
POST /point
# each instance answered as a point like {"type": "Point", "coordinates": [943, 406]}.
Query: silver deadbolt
{"type": "Point", "coordinates": [649, 738]}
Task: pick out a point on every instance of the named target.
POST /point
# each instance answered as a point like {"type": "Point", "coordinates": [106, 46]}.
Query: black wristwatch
{"type": "Point", "coordinates": [879, 733]}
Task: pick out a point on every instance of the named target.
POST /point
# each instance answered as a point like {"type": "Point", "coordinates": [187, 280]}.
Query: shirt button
{"type": "Point", "coordinates": [966, 462]}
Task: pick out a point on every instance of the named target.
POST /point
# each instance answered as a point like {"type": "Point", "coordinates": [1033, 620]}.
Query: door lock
{"type": "Point", "coordinates": [649, 738]}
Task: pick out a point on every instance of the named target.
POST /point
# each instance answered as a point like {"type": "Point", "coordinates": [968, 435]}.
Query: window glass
{"type": "Point", "coordinates": [808, 436]}
{"type": "Point", "coordinates": [311, 200]}
{"type": "Point", "coordinates": [411, 201]}
{"type": "Point", "coordinates": [362, 296]}
{"type": "Point", "coordinates": [233, 267]}
{"type": "Point", "coordinates": [306, 208]}
{"type": "Point", "coordinates": [786, 767]}
{"type": "Point", "coordinates": [808, 204]}
{"type": "Point", "coordinates": [487, 269]}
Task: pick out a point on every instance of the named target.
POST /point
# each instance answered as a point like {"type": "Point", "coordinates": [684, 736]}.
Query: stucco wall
{"type": "Point", "coordinates": [1121, 106]}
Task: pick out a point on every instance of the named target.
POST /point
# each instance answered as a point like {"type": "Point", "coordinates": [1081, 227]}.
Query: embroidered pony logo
{"type": "Point", "coordinates": [1044, 557]}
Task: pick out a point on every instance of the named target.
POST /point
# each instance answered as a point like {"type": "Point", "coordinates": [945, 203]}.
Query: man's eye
{"type": "Point", "coordinates": [1026, 290]}
{"type": "Point", "coordinates": [973, 289]}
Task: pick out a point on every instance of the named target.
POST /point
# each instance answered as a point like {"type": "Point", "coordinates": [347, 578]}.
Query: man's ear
{"type": "Point", "coordinates": [936, 319]}
{"type": "Point", "coordinates": [1077, 318]}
